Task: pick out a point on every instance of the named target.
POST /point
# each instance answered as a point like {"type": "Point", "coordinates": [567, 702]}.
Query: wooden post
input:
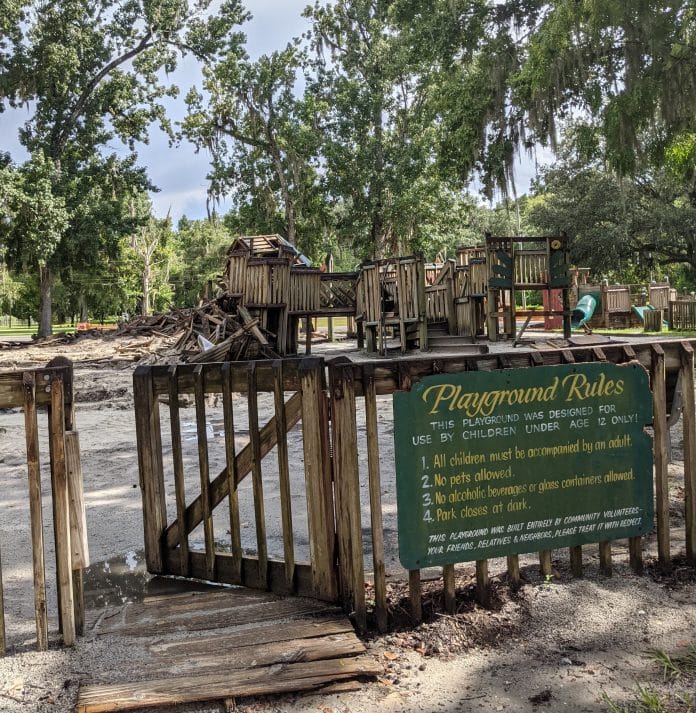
{"type": "Point", "coordinates": [513, 571]}
{"type": "Point", "coordinates": [378, 565]}
{"type": "Point", "coordinates": [61, 512]}
{"type": "Point", "coordinates": [482, 582]}
{"type": "Point", "coordinates": [257, 475]}
{"type": "Point", "coordinates": [605, 566]}
{"type": "Point", "coordinates": [545, 564]}
{"type": "Point", "coordinates": [347, 486]}
{"type": "Point", "coordinates": [449, 587]}
{"type": "Point", "coordinates": [689, 415]}
{"type": "Point", "coordinates": [35, 509]}
{"type": "Point", "coordinates": [576, 560]}
{"type": "Point", "coordinates": [178, 463]}
{"type": "Point", "coordinates": [231, 474]}
{"type": "Point", "coordinates": [318, 482]}
{"type": "Point", "coordinates": [659, 389]}
{"type": "Point", "coordinates": [414, 594]}
{"type": "Point", "coordinates": [149, 440]}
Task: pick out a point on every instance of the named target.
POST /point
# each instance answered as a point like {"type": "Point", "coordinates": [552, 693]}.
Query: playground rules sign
{"type": "Point", "coordinates": [519, 460]}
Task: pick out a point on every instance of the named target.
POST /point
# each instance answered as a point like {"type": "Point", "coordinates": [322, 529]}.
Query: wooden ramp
{"type": "Point", "coordinates": [216, 645]}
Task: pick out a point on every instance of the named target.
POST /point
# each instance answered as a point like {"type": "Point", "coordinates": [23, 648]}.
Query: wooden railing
{"type": "Point", "coordinates": [682, 315]}
{"type": "Point", "coordinates": [618, 299]}
{"type": "Point", "coordinates": [32, 391]}
{"type": "Point", "coordinates": [339, 423]}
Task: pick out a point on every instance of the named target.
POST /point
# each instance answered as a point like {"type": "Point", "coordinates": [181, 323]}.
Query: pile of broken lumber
{"type": "Point", "coordinates": [217, 330]}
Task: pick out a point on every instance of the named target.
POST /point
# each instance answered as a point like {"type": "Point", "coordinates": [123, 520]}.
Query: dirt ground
{"type": "Point", "coordinates": [558, 644]}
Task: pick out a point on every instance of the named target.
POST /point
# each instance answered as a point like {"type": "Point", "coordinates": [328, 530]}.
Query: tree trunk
{"type": "Point", "coordinates": [45, 306]}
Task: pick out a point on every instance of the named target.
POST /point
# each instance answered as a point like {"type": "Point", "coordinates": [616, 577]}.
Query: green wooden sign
{"type": "Point", "coordinates": [519, 460]}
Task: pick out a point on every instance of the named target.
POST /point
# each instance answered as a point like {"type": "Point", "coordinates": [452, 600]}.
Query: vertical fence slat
{"type": "Point", "coordinates": [379, 569]}
{"type": "Point", "coordinates": [284, 474]}
{"type": "Point", "coordinates": [257, 475]}
{"type": "Point", "coordinates": [149, 441]}
{"type": "Point", "coordinates": [231, 468]}
{"type": "Point", "coordinates": [178, 465]}
{"type": "Point", "coordinates": [31, 427]}
{"type": "Point", "coordinates": [686, 353]}
{"type": "Point", "coordinates": [659, 388]}
{"type": "Point", "coordinates": [78, 525]}
{"type": "Point", "coordinates": [61, 512]}
{"type": "Point", "coordinates": [204, 471]}
{"type": "Point", "coordinates": [317, 483]}
{"type": "Point", "coordinates": [347, 485]}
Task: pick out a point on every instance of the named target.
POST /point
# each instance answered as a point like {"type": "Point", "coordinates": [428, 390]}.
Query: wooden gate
{"type": "Point", "coordinates": [33, 390]}
{"type": "Point", "coordinates": [218, 409]}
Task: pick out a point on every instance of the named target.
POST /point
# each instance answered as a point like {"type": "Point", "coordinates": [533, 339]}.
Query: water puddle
{"type": "Point", "coordinates": [124, 578]}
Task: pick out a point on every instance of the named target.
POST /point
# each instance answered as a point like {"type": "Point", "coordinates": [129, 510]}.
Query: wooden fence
{"type": "Point", "coordinates": [682, 315]}
{"type": "Point", "coordinates": [33, 390]}
{"type": "Point", "coordinates": [339, 423]}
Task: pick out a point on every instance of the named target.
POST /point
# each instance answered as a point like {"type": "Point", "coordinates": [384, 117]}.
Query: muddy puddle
{"type": "Point", "coordinates": [124, 578]}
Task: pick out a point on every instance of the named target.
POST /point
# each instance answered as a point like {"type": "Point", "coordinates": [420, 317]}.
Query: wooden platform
{"type": "Point", "coordinates": [217, 645]}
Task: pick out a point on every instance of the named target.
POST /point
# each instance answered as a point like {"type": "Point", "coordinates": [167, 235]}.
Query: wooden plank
{"type": "Point", "coordinates": [31, 428]}
{"type": "Point", "coordinates": [231, 474]}
{"type": "Point", "coordinates": [149, 442]}
{"type": "Point", "coordinates": [284, 475]}
{"type": "Point", "coordinates": [318, 485]}
{"type": "Point", "coordinates": [61, 512]}
{"type": "Point", "coordinates": [219, 657]}
{"type": "Point", "coordinates": [12, 387]}
{"type": "Point", "coordinates": [256, 474]}
{"type": "Point", "coordinates": [375, 490]}
{"type": "Point", "coordinates": [219, 486]}
{"type": "Point", "coordinates": [347, 488]}
{"type": "Point", "coordinates": [291, 630]}
{"type": "Point", "coordinates": [204, 473]}
{"type": "Point", "coordinates": [659, 389]}
{"type": "Point", "coordinates": [414, 594]}
{"type": "Point", "coordinates": [689, 429]}
{"type": "Point", "coordinates": [191, 689]}
{"type": "Point", "coordinates": [635, 554]}
{"type": "Point", "coordinates": [178, 464]}
{"type": "Point", "coordinates": [194, 615]}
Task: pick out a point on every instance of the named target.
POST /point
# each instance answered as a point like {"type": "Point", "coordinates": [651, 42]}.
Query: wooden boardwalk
{"type": "Point", "coordinates": [218, 645]}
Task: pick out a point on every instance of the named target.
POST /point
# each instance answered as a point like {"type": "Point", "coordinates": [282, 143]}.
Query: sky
{"type": "Point", "coordinates": [179, 171]}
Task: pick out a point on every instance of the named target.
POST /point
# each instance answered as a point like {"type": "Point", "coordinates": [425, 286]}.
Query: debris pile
{"type": "Point", "coordinates": [217, 330]}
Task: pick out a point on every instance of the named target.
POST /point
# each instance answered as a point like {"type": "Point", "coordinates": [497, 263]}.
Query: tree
{"type": "Point", "coordinates": [91, 71]}
{"type": "Point", "coordinates": [264, 142]}
{"type": "Point", "coordinates": [620, 227]}
{"type": "Point", "coordinates": [626, 69]}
